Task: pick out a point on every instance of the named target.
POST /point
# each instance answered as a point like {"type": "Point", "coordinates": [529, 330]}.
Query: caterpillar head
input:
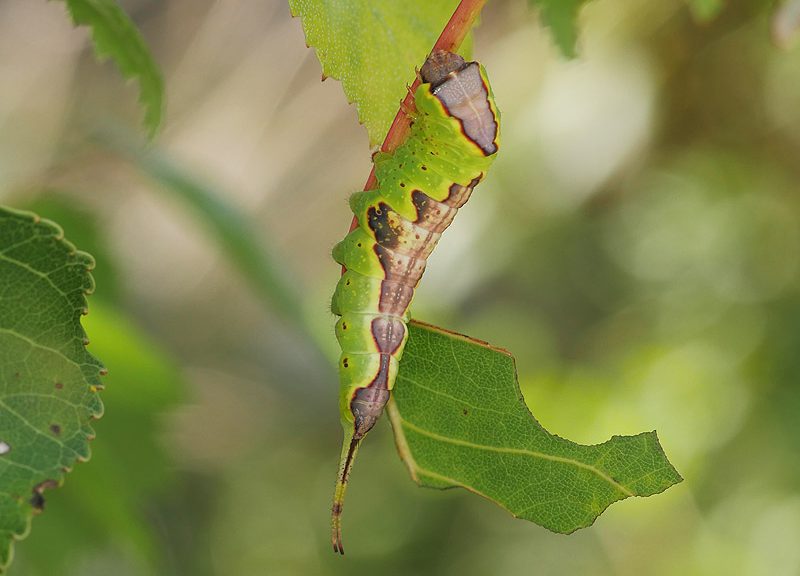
{"type": "Point", "coordinates": [439, 66]}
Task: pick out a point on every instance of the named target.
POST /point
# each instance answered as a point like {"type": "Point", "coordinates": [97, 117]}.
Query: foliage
{"type": "Point", "coordinates": [116, 37]}
{"type": "Point", "coordinates": [141, 387]}
{"type": "Point", "coordinates": [373, 48]}
{"type": "Point", "coordinates": [705, 10]}
{"type": "Point", "coordinates": [49, 381]}
{"type": "Point", "coordinates": [460, 420]}
{"type": "Point", "coordinates": [662, 294]}
{"type": "Point", "coordinates": [448, 458]}
{"type": "Point", "coordinates": [560, 16]}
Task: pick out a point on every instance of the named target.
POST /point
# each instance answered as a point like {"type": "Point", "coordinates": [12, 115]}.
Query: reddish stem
{"type": "Point", "coordinates": [450, 39]}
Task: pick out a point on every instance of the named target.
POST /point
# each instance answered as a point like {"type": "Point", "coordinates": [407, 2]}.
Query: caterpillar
{"type": "Point", "coordinates": [452, 142]}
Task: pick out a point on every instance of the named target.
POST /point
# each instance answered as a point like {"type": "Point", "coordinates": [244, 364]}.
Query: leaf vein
{"type": "Point", "coordinates": [522, 452]}
{"type": "Point", "coordinates": [33, 427]}
{"type": "Point", "coordinates": [35, 344]}
{"type": "Point", "coordinates": [35, 272]}
{"type": "Point", "coordinates": [451, 397]}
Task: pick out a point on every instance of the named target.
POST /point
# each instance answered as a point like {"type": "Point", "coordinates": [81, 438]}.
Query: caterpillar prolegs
{"type": "Point", "coordinates": [421, 185]}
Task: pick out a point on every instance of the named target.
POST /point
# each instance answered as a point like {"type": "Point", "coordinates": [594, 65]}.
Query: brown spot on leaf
{"type": "Point", "coordinates": [37, 499]}
{"type": "Point", "coordinates": [55, 429]}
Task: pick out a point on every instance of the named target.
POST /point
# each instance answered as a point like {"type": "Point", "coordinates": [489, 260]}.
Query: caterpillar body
{"type": "Point", "coordinates": [453, 140]}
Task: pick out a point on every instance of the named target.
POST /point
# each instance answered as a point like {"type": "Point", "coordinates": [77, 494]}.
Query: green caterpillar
{"type": "Point", "coordinates": [421, 185]}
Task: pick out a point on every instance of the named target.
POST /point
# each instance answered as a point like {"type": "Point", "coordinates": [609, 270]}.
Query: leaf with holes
{"type": "Point", "coordinates": [459, 419]}
{"type": "Point", "coordinates": [48, 381]}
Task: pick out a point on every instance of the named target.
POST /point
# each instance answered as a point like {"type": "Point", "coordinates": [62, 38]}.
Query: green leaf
{"type": "Point", "coordinates": [115, 36]}
{"type": "Point", "coordinates": [48, 381]}
{"type": "Point", "coordinates": [460, 420]}
{"type": "Point", "coordinates": [114, 502]}
{"type": "Point", "coordinates": [373, 47]}
{"type": "Point", "coordinates": [705, 10]}
{"type": "Point", "coordinates": [83, 228]}
{"type": "Point", "coordinates": [561, 16]}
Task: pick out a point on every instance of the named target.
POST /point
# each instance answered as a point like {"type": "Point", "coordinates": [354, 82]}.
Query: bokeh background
{"type": "Point", "coordinates": [635, 246]}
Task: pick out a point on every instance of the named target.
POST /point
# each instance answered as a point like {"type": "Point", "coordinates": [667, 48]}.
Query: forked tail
{"type": "Point", "coordinates": [349, 450]}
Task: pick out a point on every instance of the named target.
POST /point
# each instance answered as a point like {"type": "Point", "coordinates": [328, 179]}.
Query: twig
{"type": "Point", "coordinates": [452, 36]}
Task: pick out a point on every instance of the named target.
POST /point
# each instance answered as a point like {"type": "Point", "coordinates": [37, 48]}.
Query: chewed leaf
{"type": "Point", "coordinates": [460, 420]}
{"type": "Point", "coordinates": [48, 381]}
{"type": "Point", "coordinates": [116, 37]}
{"type": "Point", "coordinates": [372, 46]}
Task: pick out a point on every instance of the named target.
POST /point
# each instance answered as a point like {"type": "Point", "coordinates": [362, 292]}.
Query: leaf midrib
{"type": "Point", "coordinates": [518, 451]}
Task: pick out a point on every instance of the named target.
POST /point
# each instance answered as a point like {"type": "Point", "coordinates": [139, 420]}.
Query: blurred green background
{"type": "Point", "coordinates": [635, 246]}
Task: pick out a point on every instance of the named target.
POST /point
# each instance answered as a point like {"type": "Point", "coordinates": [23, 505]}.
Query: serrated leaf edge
{"type": "Point", "coordinates": [88, 260]}
{"type": "Point", "coordinates": [153, 114]}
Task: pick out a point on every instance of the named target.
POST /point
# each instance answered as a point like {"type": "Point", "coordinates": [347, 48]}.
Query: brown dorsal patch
{"type": "Point", "coordinates": [367, 403]}
{"type": "Point", "coordinates": [399, 267]}
{"type": "Point", "coordinates": [465, 96]}
{"type": "Point", "coordinates": [396, 295]}
{"type": "Point", "coordinates": [393, 231]}
{"type": "Point", "coordinates": [432, 215]}
{"type": "Point", "coordinates": [460, 194]}
{"type": "Point", "coordinates": [381, 380]}
{"type": "Point", "coordinates": [388, 333]}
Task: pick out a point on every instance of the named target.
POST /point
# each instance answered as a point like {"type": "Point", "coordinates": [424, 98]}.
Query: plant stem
{"type": "Point", "coordinates": [450, 39]}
